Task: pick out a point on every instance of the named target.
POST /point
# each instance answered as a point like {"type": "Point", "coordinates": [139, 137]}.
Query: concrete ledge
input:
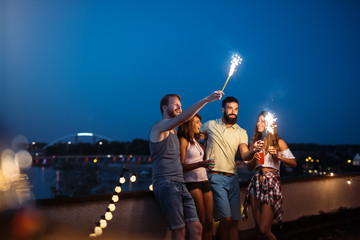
{"type": "Point", "coordinates": [138, 216]}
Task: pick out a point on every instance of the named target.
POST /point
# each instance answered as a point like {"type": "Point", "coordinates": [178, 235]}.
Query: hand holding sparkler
{"type": "Point", "coordinates": [214, 96]}
{"type": "Point", "coordinates": [235, 60]}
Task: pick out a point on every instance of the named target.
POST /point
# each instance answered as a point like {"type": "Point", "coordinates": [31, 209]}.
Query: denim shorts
{"type": "Point", "coordinates": [226, 193]}
{"type": "Point", "coordinates": [176, 203]}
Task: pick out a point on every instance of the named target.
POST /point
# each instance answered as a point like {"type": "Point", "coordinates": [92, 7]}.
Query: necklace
{"type": "Point", "coordinates": [199, 148]}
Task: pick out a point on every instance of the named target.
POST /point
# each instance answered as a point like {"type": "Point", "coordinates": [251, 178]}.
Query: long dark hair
{"type": "Point", "coordinates": [271, 139]}
{"type": "Point", "coordinates": [184, 130]}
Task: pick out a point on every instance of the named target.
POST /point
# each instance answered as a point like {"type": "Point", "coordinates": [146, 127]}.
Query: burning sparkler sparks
{"type": "Point", "coordinates": [235, 60]}
{"type": "Point", "coordinates": [270, 121]}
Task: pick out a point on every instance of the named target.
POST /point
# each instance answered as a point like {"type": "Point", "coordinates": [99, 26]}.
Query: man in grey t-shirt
{"type": "Point", "coordinates": [175, 201]}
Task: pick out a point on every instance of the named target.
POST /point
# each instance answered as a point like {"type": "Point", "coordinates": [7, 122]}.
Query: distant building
{"type": "Point", "coordinates": [356, 160]}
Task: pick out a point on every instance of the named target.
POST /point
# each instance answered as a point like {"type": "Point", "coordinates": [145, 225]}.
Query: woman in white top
{"type": "Point", "coordinates": [264, 193]}
{"type": "Point", "coordinates": [195, 176]}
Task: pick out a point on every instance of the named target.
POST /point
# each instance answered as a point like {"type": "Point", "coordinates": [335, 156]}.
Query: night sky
{"type": "Point", "coordinates": [70, 66]}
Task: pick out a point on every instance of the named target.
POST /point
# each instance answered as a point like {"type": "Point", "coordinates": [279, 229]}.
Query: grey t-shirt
{"type": "Point", "coordinates": [165, 157]}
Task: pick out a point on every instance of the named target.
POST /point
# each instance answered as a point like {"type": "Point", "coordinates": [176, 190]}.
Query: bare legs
{"type": "Point", "coordinates": [263, 216]}
{"type": "Point", "coordinates": [194, 230]}
{"type": "Point", "coordinates": [204, 207]}
{"type": "Point", "coordinates": [228, 229]}
{"type": "Point", "coordinates": [178, 234]}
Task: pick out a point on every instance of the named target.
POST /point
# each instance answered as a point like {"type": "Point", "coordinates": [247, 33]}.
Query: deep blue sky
{"type": "Point", "coordinates": [103, 66]}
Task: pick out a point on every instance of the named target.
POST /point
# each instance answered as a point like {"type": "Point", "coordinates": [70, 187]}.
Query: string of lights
{"type": "Point", "coordinates": [102, 223]}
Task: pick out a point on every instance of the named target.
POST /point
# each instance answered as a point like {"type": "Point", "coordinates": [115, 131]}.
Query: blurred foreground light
{"type": "Point", "coordinates": [92, 235]}
{"type": "Point", "coordinates": [103, 223]}
{"type": "Point", "coordinates": [108, 215]}
{"type": "Point", "coordinates": [122, 180]}
{"type": "Point", "coordinates": [24, 159]}
{"type": "Point", "coordinates": [349, 161]}
{"type": "Point", "coordinates": [133, 178]}
{"type": "Point", "coordinates": [115, 198]}
{"type": "Point", "coordinates": [27, 224]}
{"type": "Point", "coordinates": [112, 207]}
{"type": "Point", "coordinates": [349, 181]}
{"type": "Point", "coordinates": [151, 187]}
{"type": "Point", "coordinates": [19, 142]}
{"type": "Point", "coordinates": [9, 166]}
{"type": "Point", "coordinates": [97, 230]}
{"type": "Point", "coordinates": [118, 188]}
{"type": "Point", "coordinates": [331, 174]}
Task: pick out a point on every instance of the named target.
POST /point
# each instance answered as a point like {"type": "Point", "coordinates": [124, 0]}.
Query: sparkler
{"type": "Point", "coordinates": [270, 120]}
{"type": "Point", "coordinates": [235, 60]}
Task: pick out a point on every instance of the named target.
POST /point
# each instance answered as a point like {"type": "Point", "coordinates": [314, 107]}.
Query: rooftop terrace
{"type": "Point", "coordinates": [314, 208]}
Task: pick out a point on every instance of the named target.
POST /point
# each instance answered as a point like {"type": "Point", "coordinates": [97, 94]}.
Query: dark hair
{"type": "Point", "coordinates": [229, 100]}
{"type": "Point", "coordinates": [271, 139]}
{"type": "Point", "coordinates": [184, 130]}
{"type": "Point", "coordinates": [165, 100]}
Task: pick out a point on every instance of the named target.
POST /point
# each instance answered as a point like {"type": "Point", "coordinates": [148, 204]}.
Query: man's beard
{"type": "Point", "coordinates": [230, 120]}
{"type": "Point", "coordinates": [172, 113]}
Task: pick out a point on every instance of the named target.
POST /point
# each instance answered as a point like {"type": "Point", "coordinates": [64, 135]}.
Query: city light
{"type": "Point", "coordinates": [85, 134]}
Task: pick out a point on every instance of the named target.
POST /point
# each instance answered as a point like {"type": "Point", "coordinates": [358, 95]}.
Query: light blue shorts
{"type": "Point", "coordinates": [176, 203]}
{"type": "Point", "coordinates": [226, 192]}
